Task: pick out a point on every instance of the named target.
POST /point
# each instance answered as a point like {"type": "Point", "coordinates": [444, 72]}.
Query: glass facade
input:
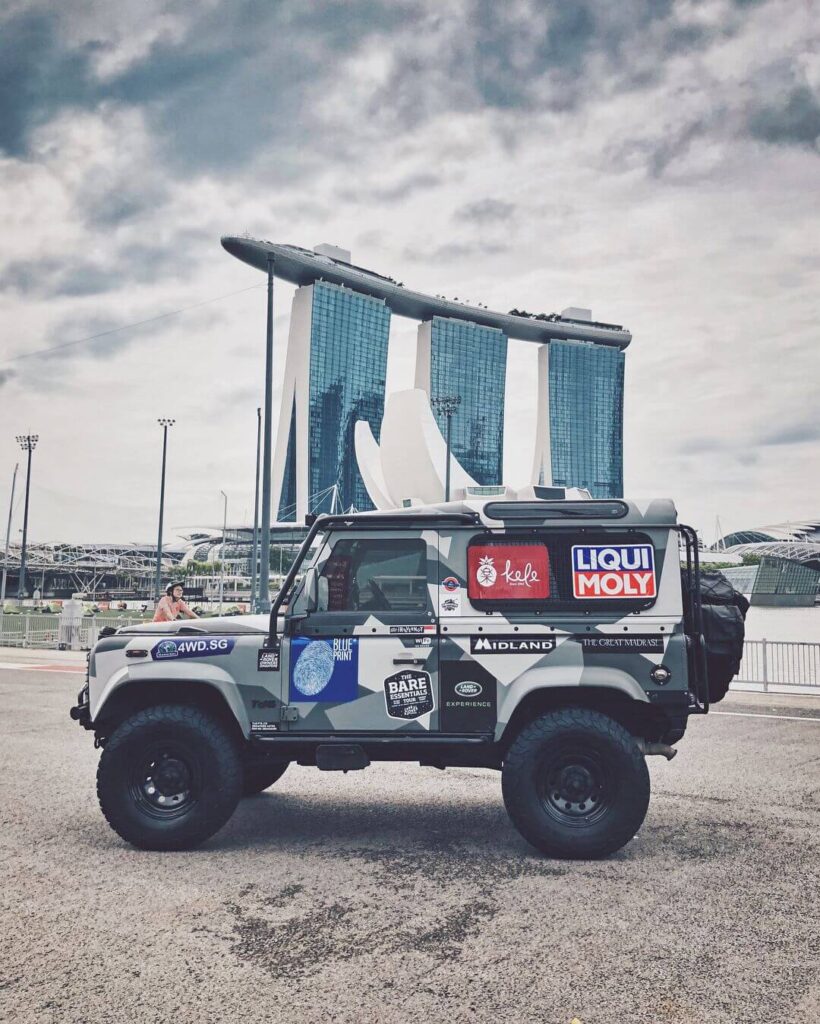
{"type": "Point", "coordinates": [586, 391]}
{"type": "Point", "coordinates": [348, 361]}
{"type": "Point", "coordinates": [471, 361]}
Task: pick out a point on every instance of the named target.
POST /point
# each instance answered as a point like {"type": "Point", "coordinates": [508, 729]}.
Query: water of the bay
{"type": "Point", "coordinates": [783, 624]}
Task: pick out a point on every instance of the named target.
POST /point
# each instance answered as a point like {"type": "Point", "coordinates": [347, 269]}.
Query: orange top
{"type": "Point", "coordinates": [168, 610]}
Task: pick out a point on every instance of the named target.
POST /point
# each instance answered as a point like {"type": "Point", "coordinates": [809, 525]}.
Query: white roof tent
{"type": "Point", "coordinates": [300, 266]}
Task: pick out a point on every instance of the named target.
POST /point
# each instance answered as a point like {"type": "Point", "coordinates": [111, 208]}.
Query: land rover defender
{"type": "Point", "coordinates": [557, 641]}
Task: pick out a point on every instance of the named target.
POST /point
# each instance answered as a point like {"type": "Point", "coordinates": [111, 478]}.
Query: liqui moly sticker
{"type": "Point", "coordinates": [613, 571]}
{"type": "Point", "coordinates": [508, 572]}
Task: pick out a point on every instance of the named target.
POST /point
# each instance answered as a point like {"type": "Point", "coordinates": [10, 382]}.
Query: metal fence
{"type": "Point", "coordinates": [777, 663]}
{"type": "Point", "coordinates": [45, 630]}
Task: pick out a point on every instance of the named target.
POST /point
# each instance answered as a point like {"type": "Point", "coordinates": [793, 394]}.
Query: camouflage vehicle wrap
{"type": "Point", "coordinates": [438, 636]}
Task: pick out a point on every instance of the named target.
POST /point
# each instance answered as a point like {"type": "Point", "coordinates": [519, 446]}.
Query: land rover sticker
{"type": "Point", "coordinates": [512, 644]}
{"type": "Point", "coordinates": [468, 697]}
{"type": "Point", "coordinates": [324, 669]}
{"type": "Point", "coordinates": [601, 571]}
{"type": "Point", "coordinates": [192, 647]}
{"type": "Point", "coordinates": [408, 695]}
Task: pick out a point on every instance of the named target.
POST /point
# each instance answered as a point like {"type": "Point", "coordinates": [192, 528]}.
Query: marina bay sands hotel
{"type": "Point", "coordinates": [336, 364]}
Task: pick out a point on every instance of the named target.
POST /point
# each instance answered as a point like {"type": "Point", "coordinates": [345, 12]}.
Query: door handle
{"type": "Point", "coordinates": [413, 659]}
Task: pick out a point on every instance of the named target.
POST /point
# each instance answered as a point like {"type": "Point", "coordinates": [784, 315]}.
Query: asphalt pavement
{"type": "Point", "coordinates": [403, 894]}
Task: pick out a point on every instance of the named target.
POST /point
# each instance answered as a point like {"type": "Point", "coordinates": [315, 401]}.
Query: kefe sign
{"type": "Point", "coordinates": [614, 571]}
{"type": "Point", "coordinates": [508, 572]}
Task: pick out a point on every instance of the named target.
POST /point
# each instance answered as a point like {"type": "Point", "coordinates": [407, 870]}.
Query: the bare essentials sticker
{"type": "Point", "coordinates": [408, 695]}
{"type": "Point", "coordinates": [510, 643]}
{"type": "Point", "coordinates": [192, 647]}
{"type": "Point", "coordinates": [623, 644]}
{"type": "Point", "coordinates": [267, 661]}
{"type": "Point", "coordinates": [613, 571]}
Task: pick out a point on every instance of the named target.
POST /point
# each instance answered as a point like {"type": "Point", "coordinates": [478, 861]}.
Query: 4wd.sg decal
{"type": "Point", "coordinates": [191, 647]}
{"type": "Point", "coordinates": [613, 571]}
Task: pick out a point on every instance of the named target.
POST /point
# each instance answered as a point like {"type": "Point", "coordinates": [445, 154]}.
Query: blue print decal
{"type": "Point", "coordinates": [192, 647]}
{"type": "Point", "coordinates": [324, 670]}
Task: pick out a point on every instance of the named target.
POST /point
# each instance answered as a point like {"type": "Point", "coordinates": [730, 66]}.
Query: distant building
{"type": "Point", "coordinates": [798, 540]}
{"type": "Point", "coordinates": [456, 357]}
{"type": "Point", "coordinates": [781, 582]}
{"type": "Point", "coordinates": [335, 373]}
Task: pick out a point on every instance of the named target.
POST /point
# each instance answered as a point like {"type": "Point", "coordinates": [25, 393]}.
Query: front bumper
{"type": "Point", "coordinates": [81, 711]}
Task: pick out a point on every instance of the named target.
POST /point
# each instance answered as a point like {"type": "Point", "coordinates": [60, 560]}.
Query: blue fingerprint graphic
{"type": "Point", "coordinates": [314, 668]}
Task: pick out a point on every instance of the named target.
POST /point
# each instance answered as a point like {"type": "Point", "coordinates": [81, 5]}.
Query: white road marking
{"type": "Point", "coordinates": [759, 714]}
{"type": "Point", "coordinates": [24, 666]}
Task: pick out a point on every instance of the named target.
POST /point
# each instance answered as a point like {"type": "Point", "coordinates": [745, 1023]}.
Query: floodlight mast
{"type": "Point", "coordinates": [28, 442]}
{"type": "Point", "coordinates": [165, 424]}
{"type": "Point", "coordinates": [447, 406]}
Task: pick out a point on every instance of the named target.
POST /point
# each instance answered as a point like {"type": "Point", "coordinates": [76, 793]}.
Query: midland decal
{"type": "Point", "coordinates": [192, 647]}
{"type": "Point", "coordinates": [613, 571]}
{"type": "Point", "coordinates": [408, 695]}
{"type": "Point", "coordinates": [512, 644]}
{"type": "Point", "coordinates": [324, 670]}
{"type": "Point", "coordinates": [508, 572]}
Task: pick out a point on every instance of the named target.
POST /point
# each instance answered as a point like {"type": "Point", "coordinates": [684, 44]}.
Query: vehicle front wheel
{"type": "Point", "coordinates": [258, 777]}
{"type": "Point", "coordinates": [575, 784]}
{"type": "Point", "coordinates": [169, 778]}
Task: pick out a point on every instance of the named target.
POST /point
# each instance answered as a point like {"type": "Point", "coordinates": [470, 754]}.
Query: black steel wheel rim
{"type": "Point", "coordinates": [576, 787]}
{"type": "Point", "coordinates": [165, 781]}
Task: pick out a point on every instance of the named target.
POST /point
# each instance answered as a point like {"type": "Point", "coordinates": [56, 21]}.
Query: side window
{"type": "Point", "coordinates": [376, 574]}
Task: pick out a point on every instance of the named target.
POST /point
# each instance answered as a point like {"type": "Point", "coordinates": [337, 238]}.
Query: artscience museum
{"type": "Point", "coordinates": [339, 447]}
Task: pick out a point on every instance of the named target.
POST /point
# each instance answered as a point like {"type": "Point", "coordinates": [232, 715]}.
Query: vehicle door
{"type": "Point", "coordinates": [364, 656]}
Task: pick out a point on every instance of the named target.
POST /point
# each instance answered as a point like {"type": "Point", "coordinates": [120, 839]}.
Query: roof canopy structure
{"type": "Point", "coordinates": [300, 266]}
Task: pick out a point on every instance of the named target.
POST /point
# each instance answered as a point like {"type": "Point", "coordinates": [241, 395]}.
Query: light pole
{"type": "Point", "coordinates": [165, 424]}
{"type": "Point", "coordinates": [447, 405]}
{"type": "Point", "coordinates": [264, 561]}
{"type": "Point", "coordinates": [8, 537]}
{"type": "Point", "coordinates": [222, 553]}
{"type": "Point", "coordinates": [28, 442]}
{"type": "Point", "coordinates": [255, 548]}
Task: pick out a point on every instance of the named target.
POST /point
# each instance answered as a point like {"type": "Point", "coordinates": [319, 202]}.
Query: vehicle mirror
{"type": "Point", "coordinates": [311, 590]}
{"type": "Point", "coordinates": [324, 593]}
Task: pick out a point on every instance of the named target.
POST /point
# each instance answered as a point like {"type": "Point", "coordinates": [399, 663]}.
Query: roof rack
{"type": "Point", "coordinates": [586, 509]}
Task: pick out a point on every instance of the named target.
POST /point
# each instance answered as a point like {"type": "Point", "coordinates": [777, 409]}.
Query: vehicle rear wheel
{"type": "Point", "coordinates": [258, 777]}
{"type": "Point", "coordinates": [169, 778]}
{"type": "Point", "coordinates": [575, 784]}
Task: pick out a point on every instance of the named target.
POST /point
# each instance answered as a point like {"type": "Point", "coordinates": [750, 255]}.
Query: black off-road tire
{"type": "Point", "coordinates": [176, 750]}
{"type": "Point", "coordinates": [259, 777]}
{"type": "Point", "coordinates": [575, 784]}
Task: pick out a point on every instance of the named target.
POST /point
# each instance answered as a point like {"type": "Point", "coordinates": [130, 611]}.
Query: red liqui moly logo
{"type": "Point", "coordinates": [508, 572]}
{"type": "Point", "coordinates": [618, 570]}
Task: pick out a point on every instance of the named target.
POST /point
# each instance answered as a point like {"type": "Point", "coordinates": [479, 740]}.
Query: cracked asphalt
{"type": "Point", "coordinates": [403, 893]}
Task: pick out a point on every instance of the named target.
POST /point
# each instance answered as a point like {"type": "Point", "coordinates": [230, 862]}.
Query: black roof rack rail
{"type": "Point", "coordinates": [592, 508]}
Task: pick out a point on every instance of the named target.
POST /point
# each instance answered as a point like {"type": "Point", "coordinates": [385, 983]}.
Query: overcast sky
{"type": "Point", "coordinates": [656, 161]}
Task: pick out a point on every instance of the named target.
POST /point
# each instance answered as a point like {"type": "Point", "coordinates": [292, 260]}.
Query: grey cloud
{"type": "Point", "coordinates": [486, 211]}
{"type": "Point", "coordinates": [392, 193]}
{"type": "Point", "coordinates": [130, 264]}
{"type": "Point", "coordinates": [454, 251]}
{"type": "Point", "coordinates": [793, 120]}
{"type": "Point", "coordinates": [6, 376]}
{"type": "Point", "coordinates": [794, 433]}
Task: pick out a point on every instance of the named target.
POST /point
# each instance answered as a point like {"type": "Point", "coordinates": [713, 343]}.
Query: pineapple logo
{"type": "Point", "coordinates": [485, 574]}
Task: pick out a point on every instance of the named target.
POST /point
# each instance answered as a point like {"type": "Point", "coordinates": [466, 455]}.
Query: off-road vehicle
{"type": "Point", "coordinates": [557, 641]}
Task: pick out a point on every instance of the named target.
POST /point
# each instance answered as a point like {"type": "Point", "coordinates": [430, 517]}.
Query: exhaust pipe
{"type": "Point", "coordinates": [646, 748]}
